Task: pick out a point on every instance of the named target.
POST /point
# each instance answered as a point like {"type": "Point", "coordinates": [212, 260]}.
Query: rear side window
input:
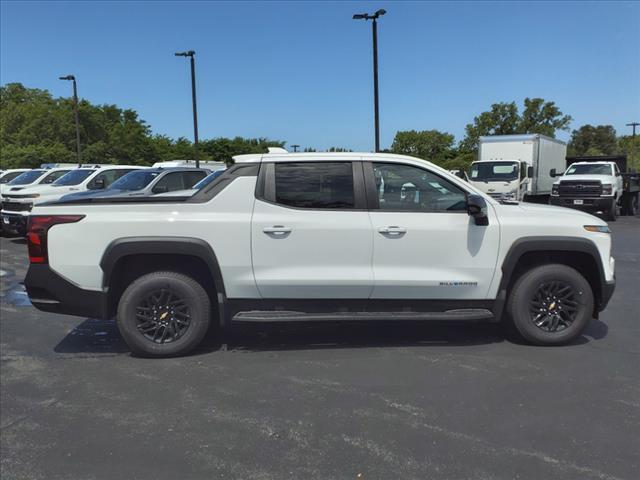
{"type": "Point", "coordinates": [315, 185]}
{"type": "Point", "coordinates": [170, 182]}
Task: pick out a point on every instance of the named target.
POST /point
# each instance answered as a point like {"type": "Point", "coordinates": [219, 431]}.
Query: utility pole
{"type": "Point", "coordinates": [75, 112]}
{"type": "Point", "coordinates": [633, 125]}
{"type": "Point", "coordinates": [295, 148]}
{"type": "Point", "coordinates": [191, 55]}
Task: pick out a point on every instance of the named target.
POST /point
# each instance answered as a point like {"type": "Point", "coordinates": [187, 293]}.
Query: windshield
{"type": "Point", "coordinates": [27, 177]}
{"type": "Point", "coordinates": [494, 171]}
{"type": "Point", "coordinates": [74, 177]}
{"type": "Point", "coordinates": [10, 176]}
{"type": "Point", "coordinates": [207, 180]}
{"type": "Point", "coordinates": [134, 180]}
{"type": "Point", "coordinates": [589, 169]}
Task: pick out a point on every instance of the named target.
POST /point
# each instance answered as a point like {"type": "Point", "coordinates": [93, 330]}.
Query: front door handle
{"type": "Point", "coordinates": [277, 230]}
{"type": "Point", "coordinates": [392, 230]}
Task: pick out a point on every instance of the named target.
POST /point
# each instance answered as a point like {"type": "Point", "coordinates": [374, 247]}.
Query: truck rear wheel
{"type": "Point", "coordinates": [163, 314]}
{"type": "Point", "coordinates": [551, 304]}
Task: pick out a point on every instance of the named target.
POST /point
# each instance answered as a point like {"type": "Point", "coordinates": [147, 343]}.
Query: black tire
{"type": "Point", "coordinates": [632, 205]}
{"type": "Point", "coordinates": [532, 307]}
{"type": "Point", "coordinates": [612, 213]}
{"type": "Point", "coordinates": [171, 307]}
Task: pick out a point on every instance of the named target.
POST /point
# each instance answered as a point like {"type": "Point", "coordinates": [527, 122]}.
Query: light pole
{"type": "Point", "coordinates": [191, 55]}
{"type": "Point", "coordinates": [374, 28]}
{"type": "Point", "coordinates": [75, 111]}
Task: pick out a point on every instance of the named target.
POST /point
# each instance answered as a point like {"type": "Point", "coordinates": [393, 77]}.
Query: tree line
{"type": "Point", "coordinates": [36, 128]}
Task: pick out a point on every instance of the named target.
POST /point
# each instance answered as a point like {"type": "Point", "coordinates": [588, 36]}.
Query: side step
{"type": "Point", "coordinates": [472, 314]}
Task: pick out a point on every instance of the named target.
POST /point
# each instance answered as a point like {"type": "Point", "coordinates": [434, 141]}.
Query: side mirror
{"type": "Point", "coordinates": [160, 189]}
{"type": "Point", "coordinates": [530, 172]}
{"type": "Point", "coordinates": [552, 173]}
{"type": "Point", "coordinates": [98, 184]}
{"type": "Point", "coordinates": [477, 208]}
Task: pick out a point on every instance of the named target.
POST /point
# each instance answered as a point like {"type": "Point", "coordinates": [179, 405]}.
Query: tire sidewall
{"type": "Point", "coordinates": [187, 289]}
{"type": "Point", "coordinates": [524, 291]}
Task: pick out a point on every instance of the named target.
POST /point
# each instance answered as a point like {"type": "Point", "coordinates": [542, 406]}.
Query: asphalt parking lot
{"type": "Point", "coordinates": [352, 401]}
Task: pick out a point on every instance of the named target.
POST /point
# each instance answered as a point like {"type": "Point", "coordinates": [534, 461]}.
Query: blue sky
{"type": "Point", "coordinates": [301, 71]}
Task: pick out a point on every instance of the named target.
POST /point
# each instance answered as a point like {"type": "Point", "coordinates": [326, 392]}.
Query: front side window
{"type": "Point", "coordinates": [136, 180]}
{"type": "Point", "coordinates": [317, 185]}
{"type": "Point", "coordinates": [74, 177]}
{"type": "Point", "coordinates": [408, 188]}
{"type": "Point", "coordinates": [106, 178]}
{"type": "Point", "coordinates": [53, 176]}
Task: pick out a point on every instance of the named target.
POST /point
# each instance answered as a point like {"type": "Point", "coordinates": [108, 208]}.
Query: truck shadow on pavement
{"type": "Point", "coordinates": [102, 336]}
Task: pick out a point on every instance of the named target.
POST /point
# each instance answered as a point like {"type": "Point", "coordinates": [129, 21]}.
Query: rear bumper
{"type": "Point", "coordinates": [51, 292]}
{"type": "Point", "coordinates": [14, 223]}
{"type": "Point", "coordinates": [589, 204]}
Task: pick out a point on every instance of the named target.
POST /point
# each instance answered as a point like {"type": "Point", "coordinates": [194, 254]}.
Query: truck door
{"type": "Point", "coordinates": [425, 244]}
{"type": "Point", "coordinates": [311, 234]}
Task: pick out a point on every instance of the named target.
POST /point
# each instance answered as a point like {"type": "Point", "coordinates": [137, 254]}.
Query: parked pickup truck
{"type": "Point", "coordinates": [597, 184]}
{"type": "Point", "coordinates": [319, 237]}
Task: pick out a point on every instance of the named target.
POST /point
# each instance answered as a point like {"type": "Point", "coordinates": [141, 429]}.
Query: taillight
{"type": "Point", "coordinates": [37, 229]}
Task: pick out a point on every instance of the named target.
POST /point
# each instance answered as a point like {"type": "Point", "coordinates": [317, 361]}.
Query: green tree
{"type": "Point", "coordinates": [630, 146]}
{"type": "Point", "coordinates": [538, 116]}
{"type": "Point", "coordinates": [593, 140]}
{"type": "Point", "coordinates": [431, 145]}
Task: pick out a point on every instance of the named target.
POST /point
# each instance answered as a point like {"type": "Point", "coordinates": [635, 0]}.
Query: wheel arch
{"type": "Point", "coordinates": [576, 252]}
{"type": "Point", "coordinates": [127, 258]}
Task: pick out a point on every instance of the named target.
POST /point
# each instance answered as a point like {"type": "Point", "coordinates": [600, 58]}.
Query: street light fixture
{"type": "Point", "coordinates": [374, 28]}
{"type": "Point", "coordinates": [191, 55]}
{"type": "Point", "coordinates": [75, 111]}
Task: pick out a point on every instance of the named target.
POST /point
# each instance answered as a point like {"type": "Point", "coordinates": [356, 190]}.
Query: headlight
{"type": "Point", "coordinates": [597, 228]}
{"type": "Point", "coordinates": [607, 189]}
{"type": "Point", "coordinates": [554, 189]}
{"type": "Point", "coordinates": [33, 195]}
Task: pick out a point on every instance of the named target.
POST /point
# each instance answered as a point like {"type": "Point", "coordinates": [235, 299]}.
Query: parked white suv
{"type": "Point", "coordinates": [16, 206]}
{"type": "Point", "coordinates": [319, 236]}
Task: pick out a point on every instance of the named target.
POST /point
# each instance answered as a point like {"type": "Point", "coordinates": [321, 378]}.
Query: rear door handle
{"type": "Point", "coordinates": [392, 230]}
{"type": "Point", "coordinates": [277, 230]}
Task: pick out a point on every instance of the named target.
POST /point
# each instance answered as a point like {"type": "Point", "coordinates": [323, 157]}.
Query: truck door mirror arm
{"type": "Point", "coordinates": [477, 208]}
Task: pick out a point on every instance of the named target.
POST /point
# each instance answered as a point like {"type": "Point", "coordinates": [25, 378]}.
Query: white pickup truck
{"type": "Point", "coordinates": [591, 186]}
{"type": "Point", "coordinates": [17, 205]}
{"type": "Point", "coordinates": [319, 236]}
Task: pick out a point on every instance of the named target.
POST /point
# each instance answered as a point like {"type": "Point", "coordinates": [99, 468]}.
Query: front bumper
{"type": "Point", "coordinates": [14, 223]}
{"type": "Point", "coordinates": [50, 292]}
{"type": "Point", "coordinates": [589, 204]}
{"type": "Point", "coordinates": [607, 292]}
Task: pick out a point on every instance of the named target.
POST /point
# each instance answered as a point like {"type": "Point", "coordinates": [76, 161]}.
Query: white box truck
{"type": "Point", "coordinates": [518, 167]}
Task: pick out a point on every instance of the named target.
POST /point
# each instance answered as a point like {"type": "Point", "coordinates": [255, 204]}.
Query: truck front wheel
{"type": "Point", "coordinates": [613, 210]}
{"type": "Point", "coordinates": [551, 304]}
{"type": "Point", "coordinates": [163, 314]}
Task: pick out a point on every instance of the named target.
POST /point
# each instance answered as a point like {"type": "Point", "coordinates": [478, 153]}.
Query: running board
{"type": "Point", "coordinates": [471, 314]}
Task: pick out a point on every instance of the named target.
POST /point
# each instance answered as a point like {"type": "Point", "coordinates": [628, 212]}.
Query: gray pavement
{"type": "Point", "coordinates": [343, 401]}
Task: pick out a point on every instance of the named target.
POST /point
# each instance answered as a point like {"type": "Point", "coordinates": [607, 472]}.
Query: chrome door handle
{"type": "Point", "coordinates": [277, 230]}
{"type": "Point", "coordinates": [392, 230]}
